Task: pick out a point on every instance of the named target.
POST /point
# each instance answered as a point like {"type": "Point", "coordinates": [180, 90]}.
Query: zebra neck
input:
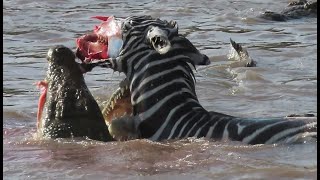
{"type": "Point", "coordinates": [187, 122]}
{"type": "Point", "coordinates": [166, 113]}
{"type": "Point", "coordinates": [180, 118]}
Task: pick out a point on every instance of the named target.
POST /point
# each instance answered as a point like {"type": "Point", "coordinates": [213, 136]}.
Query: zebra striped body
{"type": "Point", "coordinates": [162, 86]}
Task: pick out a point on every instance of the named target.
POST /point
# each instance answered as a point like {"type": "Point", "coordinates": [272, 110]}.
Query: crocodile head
{"type": "Point", "coordinates": [66, 106]}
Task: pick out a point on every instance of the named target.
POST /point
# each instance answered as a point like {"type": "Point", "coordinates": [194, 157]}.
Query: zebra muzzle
{"type": "Point", "coordinates": [159, 40]}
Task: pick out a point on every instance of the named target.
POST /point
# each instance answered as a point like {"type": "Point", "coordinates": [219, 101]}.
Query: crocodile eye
{"type": "Point", "coordinates": [127, 25]}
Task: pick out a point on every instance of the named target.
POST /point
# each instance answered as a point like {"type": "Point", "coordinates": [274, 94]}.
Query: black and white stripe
{"type": "Point", "coordinates": [165, 105]}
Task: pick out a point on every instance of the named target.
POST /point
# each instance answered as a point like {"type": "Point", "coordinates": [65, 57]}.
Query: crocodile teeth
{"type": "Point", "coordinates": [112, 105]}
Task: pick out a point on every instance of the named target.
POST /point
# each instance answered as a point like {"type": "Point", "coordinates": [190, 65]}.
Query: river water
{"type": "Point", "coordinates": [284, 82]}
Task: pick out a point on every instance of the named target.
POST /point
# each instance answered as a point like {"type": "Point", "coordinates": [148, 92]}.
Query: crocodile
{"type": "Point", "coordinates": [66, 107]}
{"type": "Point", "coordinates": [294, 10]}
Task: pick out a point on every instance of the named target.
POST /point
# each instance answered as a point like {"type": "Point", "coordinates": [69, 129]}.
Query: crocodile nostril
{"type": "Point", "coordinates": [59, 52]}
{"type": "Point", "coordinates": [60, 48]}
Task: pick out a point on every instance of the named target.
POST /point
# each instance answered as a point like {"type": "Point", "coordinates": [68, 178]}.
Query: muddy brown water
{"type": "Point", "coordinates": [284, 82]}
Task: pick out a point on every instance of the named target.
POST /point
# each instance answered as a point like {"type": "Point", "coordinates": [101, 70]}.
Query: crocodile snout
{"type": "Point", "coordinates": [59, 52]}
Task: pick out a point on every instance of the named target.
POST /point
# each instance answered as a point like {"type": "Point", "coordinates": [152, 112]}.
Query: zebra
{"type": "Point", "coordinates": [159, 72]}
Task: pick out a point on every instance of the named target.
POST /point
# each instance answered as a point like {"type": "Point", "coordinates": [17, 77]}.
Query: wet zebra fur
{"type": "Point", "coordinates": [156, 61]}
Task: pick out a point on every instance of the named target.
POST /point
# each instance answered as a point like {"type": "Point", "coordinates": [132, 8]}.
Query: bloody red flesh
{"type": "Point", "coordinates": [95, 45]}
{"type": "Point", "coordinates": [92, 46]}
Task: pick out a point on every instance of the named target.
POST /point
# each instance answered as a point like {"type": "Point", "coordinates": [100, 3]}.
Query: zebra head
{"type": "Point", "coordinates": [146, 34]}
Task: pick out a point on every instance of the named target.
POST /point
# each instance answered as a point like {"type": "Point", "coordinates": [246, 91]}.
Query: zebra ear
{"type": "Point", "coordinates": [159, 40]}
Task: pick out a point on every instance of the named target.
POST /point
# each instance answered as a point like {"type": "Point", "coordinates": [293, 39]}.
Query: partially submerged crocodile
{"type": "Point", "coordinates": [67, 108]}
{"type": "Point", "coordinates": [295, 10]}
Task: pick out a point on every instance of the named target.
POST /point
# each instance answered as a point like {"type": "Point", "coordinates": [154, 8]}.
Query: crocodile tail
{"type": "Point", "coordinates": [243, 53]}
